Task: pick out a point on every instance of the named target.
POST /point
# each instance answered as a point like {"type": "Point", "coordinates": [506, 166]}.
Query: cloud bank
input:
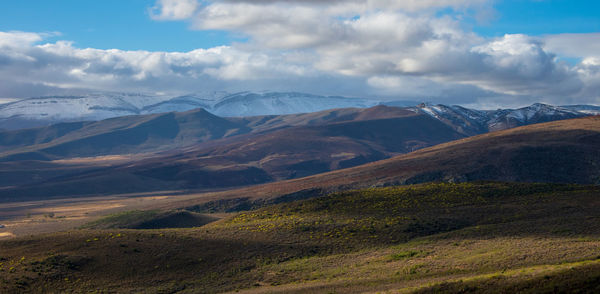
{"type": "Point", "coordinates": [397, 49]}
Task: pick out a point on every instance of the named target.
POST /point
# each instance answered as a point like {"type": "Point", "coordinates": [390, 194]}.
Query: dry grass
{"type": "Point", "coordinates": [32, 217]}
{"type": "Point", "coordinates": [486, 236]}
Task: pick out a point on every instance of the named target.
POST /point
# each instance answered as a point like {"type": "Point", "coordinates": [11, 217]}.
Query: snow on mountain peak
{"type": "Point", "coordinates": [471, 121]}
{"type": "Point", "coordinates": [97, 106]}
{"type": "Point", "coordinates": [101, 105]}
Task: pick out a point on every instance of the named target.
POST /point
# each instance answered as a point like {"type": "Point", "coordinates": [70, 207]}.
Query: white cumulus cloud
{"type": "Point", "coordinates": [173, 9]}
{"type": "Point", "coordinates": [399, 49]}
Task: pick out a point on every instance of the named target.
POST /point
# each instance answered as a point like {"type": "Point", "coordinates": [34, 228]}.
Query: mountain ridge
{"type": "Point", "coordinates": [560, 151]}
{"type": "Point", "coordinates": [44, 111]}
{"type": "Point", "coordinates": [557, 152]}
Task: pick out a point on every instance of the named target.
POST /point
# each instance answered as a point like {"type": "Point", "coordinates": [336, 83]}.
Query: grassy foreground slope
{"type": "Point", "coordinates": [470, 237]}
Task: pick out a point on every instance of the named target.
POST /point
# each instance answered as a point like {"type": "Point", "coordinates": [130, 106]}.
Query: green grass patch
{"type": "Point", "coordinates": [404, 255]}
{"type": "Point", "coordinates": [123, 219]}
{"type": "Point", "coordinates": [151, 219]}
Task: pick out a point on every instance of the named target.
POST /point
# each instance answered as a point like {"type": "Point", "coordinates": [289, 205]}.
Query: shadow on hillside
{"type": "Point", "coordinates": [398, 214]}
{"type": "Point", "coordinates": [142, 259]}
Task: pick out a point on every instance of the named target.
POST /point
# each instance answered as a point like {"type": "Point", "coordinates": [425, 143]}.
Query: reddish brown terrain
{"type": "Point", "coordinates": [422, 238]}
{"type": "Point", "coordinates": [265, 149]}
{"type": "Point", "coordinates": [563, 151]}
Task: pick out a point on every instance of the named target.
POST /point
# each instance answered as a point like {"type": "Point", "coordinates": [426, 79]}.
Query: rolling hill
{"type": "Point", "coordinates": [561, 152]}
{"type": "Point", "coordinates": [165, 131]}
{"type": "Point", "coordinates": [428, 238]}
{"type": "Point", "coordinates": [274, 150]}
{"type": "Point", "coordinates": [122, 135]}
{"type": "Point", "coordinates": [198, 150]}
{"type": "Point", "coordinates": [159, 132]}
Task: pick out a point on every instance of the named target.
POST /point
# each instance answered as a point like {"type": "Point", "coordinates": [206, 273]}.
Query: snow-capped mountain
{"type": "Point", "coordinates": [204, 100]}
{"type": "Point", "coordinates": [471, 121]}
{"type": "Point", "coordinates": [536, 113]}
{"type": "Point", "coordinates": [42, 111]}
{"type": "Point", "coordinates": [252, 104]}
{"type": "Point", "coordinates": [52, 109]}
{"type": "Point", "coordinates": [589, 109]}
{"type": "Point", "coordinates": [464, 120]}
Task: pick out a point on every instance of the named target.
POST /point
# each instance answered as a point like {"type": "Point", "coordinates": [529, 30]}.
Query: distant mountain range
{"type": "Point", "coordinates": [199, 150]}
{"type": "Point", "coordinates": [173, 130]}
{"type": "Point", "coordinates": [473, 122]}
{"type": "Point", "coordinates": [43, 111]}
{"type": "Point", "coordinates": [196, 149]}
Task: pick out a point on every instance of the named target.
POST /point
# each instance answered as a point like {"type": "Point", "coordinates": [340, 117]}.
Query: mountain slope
{"type": "Point", "coordinates": [565, 151]}
{"type": "Point", "coordinates": [430, 238]}
{"type": "Point", "coordinates": [352, 137]}
{"type": "Point", "coordinates": [473, 122]}
{"type": "Point", "coordinates": [122, 135]}
{"type": "Point", "coordinates": [159, 132]}
{"type": "Point", "coordinates": [536, 113]}
{"type": "Point", "coordinates": [301, 151]}
{"type": "Point", "coordinates": [184, 103]}
{"type": "Point", "coordinates": [589, 109]}
{"type": "Point", "coordinates": [252, 104]}
{"type": "Point", "coordinates": [44, 111]}
{"type": "Point", "coordinates": [256, 104]}
{"type": "Point", "coordinates": [41, 111]}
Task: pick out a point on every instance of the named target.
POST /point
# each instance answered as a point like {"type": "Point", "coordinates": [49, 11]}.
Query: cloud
{"type": "Point", "coordinates": [28, 68]}
{"type": "Point", "coordinates": [573, 45]}
{"type": "Point", "coordinates": [173, 9]}
{"type": "Point", "coordinates": [16, 39]}
{"type": "Point", "coordinates": [589, 73]}
{"type": "Point", "coordinates": [383, 41]}
{"type": "Point", "coordinates": [518, 64]}
{"type": "Point", "coordinates": [397, 49]}
{"type": "Point", "coordinates": [406, 5]}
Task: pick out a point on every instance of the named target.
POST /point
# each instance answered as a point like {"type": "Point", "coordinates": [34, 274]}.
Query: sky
{"type": "Point", "coordinates": [479, 53]}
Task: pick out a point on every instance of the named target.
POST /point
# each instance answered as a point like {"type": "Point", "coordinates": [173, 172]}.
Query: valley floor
{"type": "Point", "coordinates": [54, 215]}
